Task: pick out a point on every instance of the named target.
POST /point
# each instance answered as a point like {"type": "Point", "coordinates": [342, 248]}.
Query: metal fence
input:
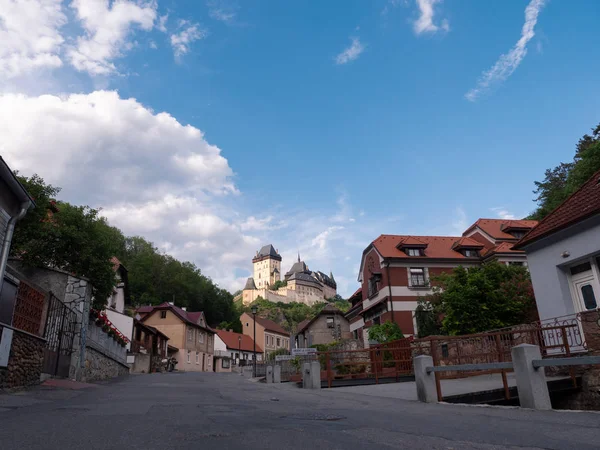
{"type": "Point", "coordinates": [61, 324]}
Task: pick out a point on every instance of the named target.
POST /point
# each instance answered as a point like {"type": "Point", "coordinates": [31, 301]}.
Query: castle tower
{"type": "Point", "coordinates": [267, 267]}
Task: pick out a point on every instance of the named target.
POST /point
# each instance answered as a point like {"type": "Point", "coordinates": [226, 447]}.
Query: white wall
{"type": "Point", "coordinates": [122, 323]}
{"type": "Point", "coordinates": [549, 269]}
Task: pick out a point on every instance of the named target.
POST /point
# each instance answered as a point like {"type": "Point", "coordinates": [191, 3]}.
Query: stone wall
{"type": "Point", "coordinates": [24, 363]}
{"type": "Point", "coordinates": [98, 367]}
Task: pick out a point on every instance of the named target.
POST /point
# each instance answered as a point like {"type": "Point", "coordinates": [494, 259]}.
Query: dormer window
{"type": "Point", "coordinates": [470, 253]}
{"type": "Point", "coordinates": [414, 251]}
{"type": "Point", "coordinates": [518, 234]}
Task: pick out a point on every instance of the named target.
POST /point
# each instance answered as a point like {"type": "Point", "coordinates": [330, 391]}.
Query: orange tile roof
{"type": "Point", "coordinates": [583, 203]}
{"type": "Point", "coordinates": [412, 240]}
{"type": "Point", "coordinates": [494, 227]}
{"type": "Point", "coordinates": [437, 247]}
{"type": "Point", "coordinates": [232, 341]}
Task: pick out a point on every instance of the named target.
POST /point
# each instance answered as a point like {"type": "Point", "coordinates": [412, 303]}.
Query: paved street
{"type": "Point", "coordinates": [225, 411]}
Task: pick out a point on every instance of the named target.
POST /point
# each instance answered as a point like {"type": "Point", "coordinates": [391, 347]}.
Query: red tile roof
{"type": "Point", "coordinates": [269, 325]}
{"type": "Point", "coordinates": [144, 309]}
{"type": "Point", "coordinates": [503, 247]}
{"type": "Point", "coordinates": [437, 247]}
{"type": "Point", "coordinates": [409, 241]}
{"type": "Point", "coordinates": [494, 227]}
{"type": "Point", "coordinates": [232, 341]}
{"type": "Point", "coordinates": [583, 203]}
{"type": "Point", "coordinates": [466, 242]}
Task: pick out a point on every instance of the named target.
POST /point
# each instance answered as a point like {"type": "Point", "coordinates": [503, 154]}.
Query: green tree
{"type": "Point", "coordinates": [428, 318]}
{"type": "Point", "coordinates": [75, 238]}
{"type": "Point", "coordinates": [278, 284]}
{"type": "Point", "coordinates": [483, 298]}
{"type": "Point", "coordinates": [385, 332]}
{"type": "Point", "coordinates": [566, 178]}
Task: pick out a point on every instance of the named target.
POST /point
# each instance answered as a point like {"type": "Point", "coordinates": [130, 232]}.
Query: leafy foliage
{"type": "Point", "coordinates": [566, 178]}
{"type": "Point", "coordinates": [278, 284]}
{"type": "Point", "coordinates": [280, 351]}
{"type": "Point", "coordinates": [79, 240]}
{"type": "Point", "coordinates": [428, 319]}
{"type": "Point", "coordinates": [76, 239]}
{"type": "Point", "coordinates": [385, 332]}
{"type": "Point", "coordinates": [288, 315]}
{"type": "Point", "coordinates": [482, 298]}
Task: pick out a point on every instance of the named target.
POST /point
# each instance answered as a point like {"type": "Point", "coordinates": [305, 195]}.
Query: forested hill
{"type": "Point", "coordinates": [78, 239]}
{"type": "Point", "coordinates": [289, 315]}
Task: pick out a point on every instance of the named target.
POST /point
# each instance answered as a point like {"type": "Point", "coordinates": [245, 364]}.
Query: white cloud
{"type": "Point", "coordinates": [30, 36]}
{"type": "Point", "coordinates": [320, 241]}
{"type": "Point", "coordinates": [107, 28]}
{"type": "Point", "coordinates": [351, 53]}
{"type": "Point", "coordinates": [221, 10]}
{"type": "Point", "coordinates": [258, 224]}
{"type": "Point", "coordinates": [153, 45]}
{"type": "Point", "coordinates": [114, 147]}
{"type": "Point", "coordinates": [188, 34]}
{"type": "Point", "coordinates": [425, 24]}
{"type": "Point", "coordinates": [162, 23]}
{"type": "Point", "coordinates": [503, 213]}
{"type": "Point", "coordinates": [508, 63]}
{"type": "Point", "coordinates": [459, 221]}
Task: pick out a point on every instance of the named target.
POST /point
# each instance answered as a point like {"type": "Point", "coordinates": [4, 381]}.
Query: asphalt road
{"type": "Point", "coordinates": [225, 411]}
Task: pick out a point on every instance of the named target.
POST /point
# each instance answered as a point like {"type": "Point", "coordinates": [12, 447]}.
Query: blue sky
{"type": "Point", "coordinates": [214, 127]}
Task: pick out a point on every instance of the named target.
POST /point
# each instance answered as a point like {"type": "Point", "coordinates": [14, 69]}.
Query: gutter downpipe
{"type": "Point", "coordinates": [9, 235]}
{"type": "Point", "coordinates": [387, 266]}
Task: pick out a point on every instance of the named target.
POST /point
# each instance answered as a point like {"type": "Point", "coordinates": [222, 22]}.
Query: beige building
{"type": "Point", "coordinates": [327, 327]}
{"type": "Point", "coordinates": [269, 335]}
{"type": "Point", "coordinates": [191, 341]}
{"type": "Point", "coordinates": [301, 284]}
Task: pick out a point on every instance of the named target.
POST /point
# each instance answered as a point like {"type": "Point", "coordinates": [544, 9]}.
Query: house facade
{"type": "Point", "coordinates": [396, 270]}
{"type": "Point", "coordinates": [327, 327]}
{"type": "Point", "coordinates": [191, 340]}
{"type": "Point", "coordinates": [234, 349]}
{"type": "Point", "coordinates": [563, 253]}
{"type": "Point", "coordinates": [116, 303]}
{"type": "Point", "coordinates": [269, 335]}
{"type": "Point", "coordinates": [149, 347]}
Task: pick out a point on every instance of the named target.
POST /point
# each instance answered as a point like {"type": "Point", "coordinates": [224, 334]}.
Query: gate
{"type": "Point", "coordinates": [60, 332]}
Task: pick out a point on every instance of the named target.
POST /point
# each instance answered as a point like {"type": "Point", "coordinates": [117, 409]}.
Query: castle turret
{"type": "Point", "coordinates": [267, 267]}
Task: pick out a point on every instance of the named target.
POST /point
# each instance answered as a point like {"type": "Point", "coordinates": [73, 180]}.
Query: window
{"type": "Point", "coordinates": [330, 322]}
{"type": "Point", "coordinates": [197, 358]}
{"type": "Point", "coordinates": [471, 253]}
{"type": "Point", "coordinates": [190, 334]}
{"type": "Point", "coordinates": [201, 337]}
{"type": "Point", "coordinates": [163, 314]}
{"type": "Point", "coordinates": [374, 284]}
{"type": "Point", "coordinates": [355, 334]}
{"type": "Point", "coordinates": [208, 360]}
{"type": "Point", "coordinates": [515, 263]}
{"type": "Point", "coordinates": [414, 252]}
{"type": "Point", "coordinates": [580, 268]}
{"type": "Point", "coordinates": [589, 299]}
{"type": "Point", "coordinates": [245, 355]}
{"type": "Point", "coordinates": [377, 320]}
{"type": "Point", "coordinates": [417, 277]}
{"type": "Point", "coordinates": [518, 234]}
{"type": "Point", "coordinates": [278, 342]}
{"type": "Point", "coordinates": [225, 363]}
{"type": "Point", "coordinates": [189, 353]}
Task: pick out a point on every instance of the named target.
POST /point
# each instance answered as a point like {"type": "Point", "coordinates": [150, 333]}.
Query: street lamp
{"type": "Point", "coordinates": [254, 311]}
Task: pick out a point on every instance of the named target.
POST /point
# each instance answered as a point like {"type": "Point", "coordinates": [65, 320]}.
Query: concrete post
{"type": "Point", "coordinates": [426, 390]}
{"type": "Point", "coordinates": [315, 375]}
{"type": "Point", "coordinates": [531, 383]}
{"type": "Point", "coordinates": [269, 374]}
{"type": "Point", "coordinates": [277, 374]}
{"type": "Point", "coordinates": [306, 379]}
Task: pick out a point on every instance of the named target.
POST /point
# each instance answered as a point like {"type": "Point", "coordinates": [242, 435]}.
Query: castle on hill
{"type": "Point", "coordinates": [301, 284]}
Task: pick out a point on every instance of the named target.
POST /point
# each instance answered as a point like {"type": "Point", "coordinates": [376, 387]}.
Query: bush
{"type": "Point", "coordinates": [386, 332]}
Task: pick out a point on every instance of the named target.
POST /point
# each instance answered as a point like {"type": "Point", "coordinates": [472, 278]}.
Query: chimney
{"type": "Point", "coordinates": [184, 308]}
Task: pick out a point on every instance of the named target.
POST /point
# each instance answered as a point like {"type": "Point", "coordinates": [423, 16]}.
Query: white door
{"type": "Point", "coordinates": [586, 292]}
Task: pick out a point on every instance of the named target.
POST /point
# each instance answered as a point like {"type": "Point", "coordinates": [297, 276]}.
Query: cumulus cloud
{"type": "Point", "coordinates": [508, 63]}
{"type": "Point", "coordinates": [187, 34]}
{"type": "Point", "coordinates": [107, 30]}
{"type": "Point", "coordinates": [30, 36]}
{"type": "Point", "coordinates": [425, 23]}
{"type": "Point", "coordinates": [350, 53]}
{"type": "Point", "coordinates": [162, 23]}
{"type": "Point", "coordinates": [503, 213]}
